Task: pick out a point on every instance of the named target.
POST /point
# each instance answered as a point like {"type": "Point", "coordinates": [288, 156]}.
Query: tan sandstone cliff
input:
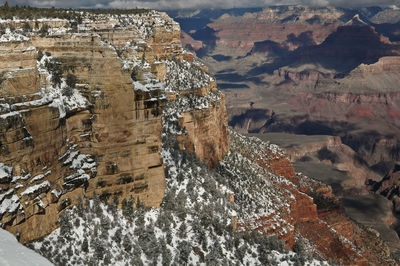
{"type": "Point", "coordinates": [103, 136]}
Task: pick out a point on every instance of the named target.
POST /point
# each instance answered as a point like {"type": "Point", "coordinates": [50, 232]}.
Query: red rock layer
{"type": "Point", "coordinates": [332, 233]}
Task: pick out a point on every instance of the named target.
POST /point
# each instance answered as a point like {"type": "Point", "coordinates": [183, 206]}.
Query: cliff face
{"type": "Point", "coordinates": [290, 27]}
{"type": "Point", "coordinates": [116, 111]}
{"type": "Point", "coordinates": [307, 211]}
{"type": "Point", "coordinates": [207, 133]}
{"type": "Point", "coordinates": [388, 187]}
{"type": "Point", "coordinates": [18, 68]}
{"type": "Point", "coordinates": [100, 133]}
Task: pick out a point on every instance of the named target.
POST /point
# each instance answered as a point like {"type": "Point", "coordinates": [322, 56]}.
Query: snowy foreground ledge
{"type": "Point", "coordinates": [13, 253]}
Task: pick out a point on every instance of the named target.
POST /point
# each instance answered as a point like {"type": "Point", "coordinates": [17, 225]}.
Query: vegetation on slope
{"type": "Point", "coordinates": [195, 223]}
{"type": "Point", "coordinates": [32, 13]}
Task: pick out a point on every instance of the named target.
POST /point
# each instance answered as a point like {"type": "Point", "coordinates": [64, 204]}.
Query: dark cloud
{"type": "Point", "coordinates": [177, 4]}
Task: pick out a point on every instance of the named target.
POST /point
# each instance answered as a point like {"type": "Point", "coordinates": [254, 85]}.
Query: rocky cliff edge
{"type": "Point", "coordinates": [81, 112]}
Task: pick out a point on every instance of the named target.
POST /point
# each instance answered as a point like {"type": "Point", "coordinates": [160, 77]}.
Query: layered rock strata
{"type": "Point", "coordinates": [81, 113]}
{"type": "Point", "coordinates": [308, 211]}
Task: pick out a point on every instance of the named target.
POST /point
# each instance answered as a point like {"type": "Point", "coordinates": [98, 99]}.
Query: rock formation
{"type": "Point", "coordinates": [315, 71]}
{"type": "Point", "coordinates": [100, 133]}
{"type": "Point", "coordinates": [114, 108]}
{"type": "Point", "coordinates": [311, 212]}
{"type": "Point", "coordinates": [291, 27]}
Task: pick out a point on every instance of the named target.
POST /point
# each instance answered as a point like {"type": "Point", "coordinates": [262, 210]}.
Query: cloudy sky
{"type": "Point", "coordinates": [177, 4]}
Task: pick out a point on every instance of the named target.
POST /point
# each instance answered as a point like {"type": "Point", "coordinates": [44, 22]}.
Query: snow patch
{"type": "Point", "coordinates": [36, 188]}
{"type": "Point", "coordinates": [13, 253]}
{"type": "Point", "coordinates": [5, 172]}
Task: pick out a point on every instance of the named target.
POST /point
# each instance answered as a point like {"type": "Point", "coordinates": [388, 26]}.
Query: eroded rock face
{"type": "Point", "coordinates": [18, 67]}
{"type": "Point", "coordinates": [207, 133]}
{"type": "Point", "coordinates": [309, 212]}
{"type": "Point", "coordinates": [101, 132]}
{"type": "Point", "coordinates": [290, 27]}
{"type": "Point", "coordinates": [388, 187]}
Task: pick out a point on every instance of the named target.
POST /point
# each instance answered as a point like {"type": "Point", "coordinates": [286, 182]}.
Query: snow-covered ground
{"type": "Point", "coordinates": [196, 222]}
{"type": "Point", "coordinates": [13, 253]}
{"type": "Point", "coordinates": [194, 225]}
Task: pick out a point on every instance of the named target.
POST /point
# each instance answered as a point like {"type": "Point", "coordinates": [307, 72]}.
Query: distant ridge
{"type": "Point", "coordinates": [356, 21]}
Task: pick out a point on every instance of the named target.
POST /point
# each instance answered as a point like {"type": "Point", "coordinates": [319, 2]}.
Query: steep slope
{"type": "Point", "coordinates": [318, 71]}
{"type": "Point", "coordinates": [86, 115]}
{"type": "Point", "coordinates": [119, 115]}
{"type": "Point", "coordinates": [228, 216]}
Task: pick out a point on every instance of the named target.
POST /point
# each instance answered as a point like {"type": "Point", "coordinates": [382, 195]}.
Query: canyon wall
{"type": "Point", "coordinates": [100, 133]}
{"type": "Point", "coordinates": [309, 211]}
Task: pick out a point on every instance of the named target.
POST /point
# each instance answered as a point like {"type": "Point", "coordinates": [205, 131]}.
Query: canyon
{"type": "Point", "coordinates": [322, 82]}
{"type": "Point", "coordinates": [57, 147]}
{"type": "Point", "coordinates": [108, 125]}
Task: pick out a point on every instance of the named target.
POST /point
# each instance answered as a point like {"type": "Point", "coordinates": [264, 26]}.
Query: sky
{"type": "Point", "coordinates": [178, 4]}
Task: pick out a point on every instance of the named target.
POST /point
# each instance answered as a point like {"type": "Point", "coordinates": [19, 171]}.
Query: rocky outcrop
{"type": "Point", "coordinates": [390, 15]}
{"type": "Point", "coordinates": [18, 74]}
{"type": "Point", "coordinates": [348, 106]}
{"type": "Point", "coordinates": [207, 133]}
{"type": "Point", "coordinates": [291, 27]}
{"type": "Point", "coordinates": [86, 117]}
{"type": "Point", "coordinates": [311, 212]}
{"type": "Point", "coordinates": [190, 43]}
{"type": "Point", "coordinates": [388, 187]}
{"type": "Point", "coordinates": [387, 64]}
{"type": "Point", "coordinates": [304, 79]}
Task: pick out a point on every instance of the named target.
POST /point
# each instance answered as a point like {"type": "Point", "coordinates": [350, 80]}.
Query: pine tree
{"type": "Point", "coordinates": [99, 249]}
{"type": "Point", "coordinates": [184, 249]}
{"type": "Point", "coordinates": [118, 235]}
{"type": "Point", "coordinates": [79, 207]}
{"type": "Point", "coordinates": [215, 254]}
{"type": "Point", "coordinates": [127, 208]}
{"type": "Point", "coordinates": [169, 238]}
{"type": "Point", "coordinates": [44, 30]}
{"type": "Point", "coordinates": [96, 204]}
{"type": "Point", "coordinates": [113, 206]}
{"type": "Point", "coordinates": [85, 245]}
{"type": "Point", "coordinates": [107, 258]}
{"type": "Point", "coordinates": [165, 253]}
{"type": "Point", "coordinates": [65, 224]}
{"type": "Point", "coordinates": [71, 80]}
{"type": "Point", "coordinates": [127, 243]}
{"type": "Point", "coordinates": [26, 28]}
{"type": "Point", "coordinates": [182, 230]}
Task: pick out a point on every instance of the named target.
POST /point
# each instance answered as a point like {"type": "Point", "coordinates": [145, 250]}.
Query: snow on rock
{"type": "Point", "coordinates": [5, 172]}
{"type": "Point", "coordinates": [185, 75]}
{"type": "Point", "coordinates": [79, 176]}
{"type": "Point", "coordinates": [78, 161]}
{"type": "Point", "coordinates": [84, 162]}
{"type": "Point", "coordinates": [71, 156]}
{"type": "Point", "coordinates": [4, 108]}
{"type": "Point", "coordinates": [149, 83]}
{"type": "Point", "coordinates": [13, 253]}
{"type": "Point", "coordinates": [194, 224]}
{"type": "Point", "coordinates": [84, 165]}
{"type": "Point", "coordinates": [36, 178]}
{"type": "Point", "coordinates": [64, 102]}
{"type": "Point", "coordinates": [145, 23]}
{"type": "Point", "coordinates": [52, 95]}
{"type": "Point", "coordinates": [10, 205]}
{"type": "Point", "coordinates": [56, 192]}
{"type": "Point", "coordinates": [12, 37]}
{"type": "Point", "coordinates": [58, 31]}
{"type": "Point", "coordinates": [10, 114]}
{"type": "Point", "coordinates": [34, 189]}
{"type": "Point", "coordinates": [8, 193]}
